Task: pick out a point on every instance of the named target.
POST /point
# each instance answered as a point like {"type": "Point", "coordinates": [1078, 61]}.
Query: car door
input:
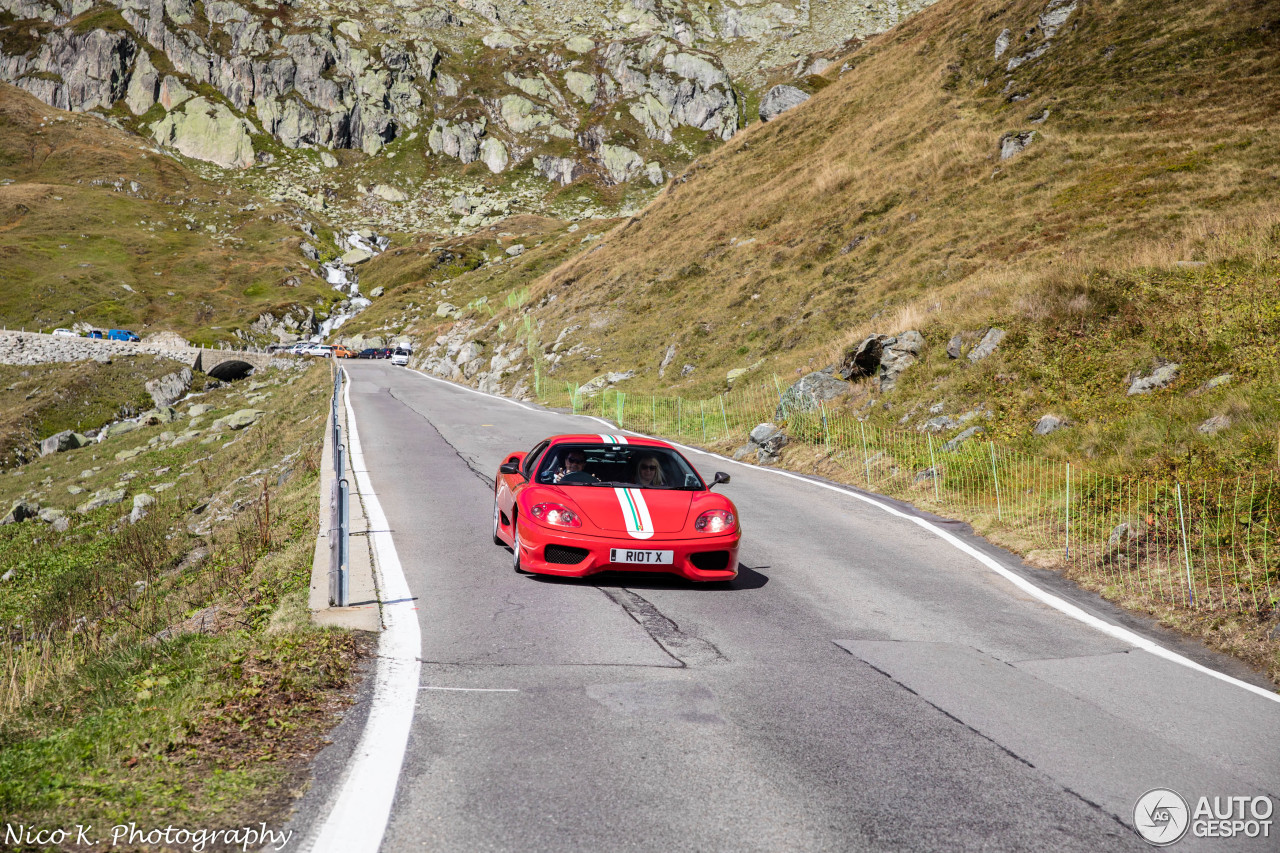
{"type": "Point", "coordinates": [509, 485]}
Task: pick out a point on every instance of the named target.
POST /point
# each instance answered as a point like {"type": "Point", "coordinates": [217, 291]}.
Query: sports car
{"type": "Point", "coordinates": [575, 505]}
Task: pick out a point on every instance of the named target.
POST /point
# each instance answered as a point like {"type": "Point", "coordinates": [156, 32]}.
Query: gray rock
{"type": "Point", "coordinates": [49, 515]}
{"type": "Point", "coordinates": [61, 441]}
{"type": "Point", "coordinates": [779, 99]}
{"type": "Point", "coordinates": [209, 131]}
{"type": "Point", "coordinates": [376, 292]}
{"type": "Point", "coordinates": [964, 436]}
{"type": "Point", "coordinates": [120, 428]}
{"type": "Point", "coordinates": [101, 498]}
{"type": "Point", "coordinates": [744, 451]}
{"type": "Point", "coordinates": [1002, 43]}
{"type": "Point", "coordinates": [142, 504]}
{"type": "Point", "coordinates": [763, 432]}
{"type": "Point", "coordinates": [1048, 424]}
{"type": "Point", "coordinates": [955, 346]}
{"type": "Point", "coordinates": [897, 355]}
{"type": "Point", "coordinates": [1215, 382]}
{"type": "Point", "coordinates": [928, 475]}
{"type": "Point", "coordinates": [199, 409]}
{"type": "Point", "coordinates": [1126, 534]}
{"type": "Point", "coordinates": [1013, 144]}
{"type": "Point", "coordinates": [168, 389]}
{"type": "Point", "coordinates": [1214, 425]}
{"type": "Point", "coordinates": [940, 423]}
{"type": "Point", "coordinates": [863, 359]}
{"type": "Point", "coordinates": [20, 511]}
{"type": "Point", "coordinates": [1161, 377]}
{"type": "Point", "coordinates": [162, 415]}
{"type": "Point", "coordinates": [493, 153]}
{"type": "Point", "coordinates": [990, 341]}
{"type": "Point", "coordinates": [238, 420]}
{"type": "Point", "coordinates": [516, 250]}
{"type": "Point", "coordinates": [810, 392]}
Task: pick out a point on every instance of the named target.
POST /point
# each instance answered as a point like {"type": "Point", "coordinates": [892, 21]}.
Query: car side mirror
{"type": "Point", "coordinates": [509, 468]}
{"type": "Point", "coordinates": [720, 477]}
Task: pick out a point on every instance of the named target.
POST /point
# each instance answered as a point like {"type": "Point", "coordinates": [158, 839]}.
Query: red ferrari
{"type": "Point", "coordinates": [580, 504]}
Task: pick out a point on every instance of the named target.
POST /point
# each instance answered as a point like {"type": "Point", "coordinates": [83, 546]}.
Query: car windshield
{"type": "Point", "coordinates": [617, 465]}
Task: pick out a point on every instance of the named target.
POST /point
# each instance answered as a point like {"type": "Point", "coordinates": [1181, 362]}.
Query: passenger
{"type": "Point", "coordinates": [574, 463]}
{"type": "Point", "coordinates": [649, 473]}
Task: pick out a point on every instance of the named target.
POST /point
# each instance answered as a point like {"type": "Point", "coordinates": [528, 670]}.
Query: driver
{"type": "Point", "coordinates": [574, 464]}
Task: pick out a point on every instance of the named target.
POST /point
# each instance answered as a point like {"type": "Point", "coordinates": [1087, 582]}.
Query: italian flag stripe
{"type": "Point", "coordinates": [612, 439]}
{"type": "Point", "coordinates": [635, 513]}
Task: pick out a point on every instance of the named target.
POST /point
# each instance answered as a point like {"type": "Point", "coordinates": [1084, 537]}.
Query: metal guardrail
{"type": "Point", "coordinates": [339, 511]}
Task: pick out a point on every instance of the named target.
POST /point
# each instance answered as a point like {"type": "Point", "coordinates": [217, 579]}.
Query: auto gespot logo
{"type": "Point", "coordinates": [1162, 817]}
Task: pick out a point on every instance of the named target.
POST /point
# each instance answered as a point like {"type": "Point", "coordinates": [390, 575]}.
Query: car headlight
{"type": "Point", "coordinates": [715, 521]}
{"type": "Point", "coordinates": [556, 514]}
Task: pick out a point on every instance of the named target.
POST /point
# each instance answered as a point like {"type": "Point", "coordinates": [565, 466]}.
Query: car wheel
{"type": "Point", "coordinates": [515, 548]}
{"type": "Point", "coordinates": [497, 540]}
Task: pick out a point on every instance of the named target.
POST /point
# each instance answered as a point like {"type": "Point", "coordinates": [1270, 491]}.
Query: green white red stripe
{"type": "Point", "coordinates": [635, 513]}
{"type": "Point", "coordinates": [612, 439]}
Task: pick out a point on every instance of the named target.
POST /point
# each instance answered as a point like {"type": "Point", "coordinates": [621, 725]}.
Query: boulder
{"type": "Point", "coordinates": [863, 359]}
{"type": "Point", "coordinates": [897, 355]}
{"type": "Point", "coordinates": [19, 512]}
{"type": "Point", "coordinates": [238, 420]}
{"type": "Point", "coordinates": [49, 515]}
{"type": "Point", "coordinates": [779, 99]}
{"type": "Point", "coordinates": [810, 392]}
{"type": "Point", "coordinates": [987, 345]}
{"type": "Point", "coordinates": [209, 131]}
{"type": "Point", "coordinates": [1161, 377]}
{"type": "Point", "coordinates": [162, 415]}
{"type": "Point", "coordinates": [964, 436]}
{"type": "Point", "coordinates": [620, 163]}
{"type": "Point", "coordinates": [169, 389]}
{"type": "Point", "coordinates": [386, 192]}
{"type": "Point", "coordinates": [1215, 382]}
{"type": "Point", "coordinates": [493, 153]}
{"type": "Point", "coordinates": [955, 346]}
{"type": "Point", "coordinates": [199, 409]}
{"type": "Point", "coordinates": [141, 506]}
{"type": "Point", "coordinates": [101, 498]}
{"type": "Point", "coordinates": [65, 440]}
{"type": "Point", "coordinates": [1013, 144]}
{"type": "Point", "coordinates": [1125, 534]}
{"type": "Point", "coordinates": [1214, 425]}
{"type": "Point", "coordinates": [1048, 424]}
{"type": "Point", "coordinates": [767, 440]}
{"type": "Point", "coordinates": [120, 428]}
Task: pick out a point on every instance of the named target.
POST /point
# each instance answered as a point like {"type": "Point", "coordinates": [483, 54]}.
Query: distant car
{"type": "Point", "coordinates": [321, 350]}
{"type": "Point", "coordinates": [65, 333]}
{"type": "Point", "coordinates": [340, 351]}
{"type": "Point", "coordinates": [385, 352]}
{"type": "Point", "coordinates": [122, 335]}
{"type": "Point", "coordinates": [578, 504]}
{"type": "Point", "coordinates": [400, 356]}
{"type": "Point", "coordinates": [368, 353]}
{"type": "Point", "coordinates": [95, 333]}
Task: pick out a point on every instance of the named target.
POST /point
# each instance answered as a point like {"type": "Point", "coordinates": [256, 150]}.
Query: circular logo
{"type": "Point", "coordinates": [1161, 816]}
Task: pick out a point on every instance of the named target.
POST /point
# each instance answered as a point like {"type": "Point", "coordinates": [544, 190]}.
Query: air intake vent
{"type": "Point", "coordinates": [564, 555]}
{"type": "Point", "coordinates": [710, 561]}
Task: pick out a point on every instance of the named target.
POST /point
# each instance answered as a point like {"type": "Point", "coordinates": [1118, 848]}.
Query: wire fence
{"type": "Point", "coordinates": [1206, 544]}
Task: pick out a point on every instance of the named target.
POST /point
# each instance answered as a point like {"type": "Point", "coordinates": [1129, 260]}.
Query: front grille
{"type": "Point", "coordinates": [710, 561]}
{"type": "Point", "coordinates": [564, 555]}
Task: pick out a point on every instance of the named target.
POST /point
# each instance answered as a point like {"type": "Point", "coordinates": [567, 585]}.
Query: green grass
{"type": "Point", "coordinates": [114, 702]}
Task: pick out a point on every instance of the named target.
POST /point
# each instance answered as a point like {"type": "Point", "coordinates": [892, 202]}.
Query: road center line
{"type": "Point", "coordinates": [475, 689]}
{"type": "Point", "coordinates": [1062, 605]}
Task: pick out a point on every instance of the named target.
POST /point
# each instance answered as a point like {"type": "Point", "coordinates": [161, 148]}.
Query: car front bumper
{"type": "Point", "coordinates": [547, 552]}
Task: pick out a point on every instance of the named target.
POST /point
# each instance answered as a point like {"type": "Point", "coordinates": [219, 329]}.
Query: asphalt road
{"type": "Point", "coordinates": [863, 685]}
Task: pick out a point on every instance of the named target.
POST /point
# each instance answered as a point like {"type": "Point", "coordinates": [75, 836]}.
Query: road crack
{"type": "Point", "coordinates": [470, 463]}
{"type": "Point", "coordinates": [688, 649]}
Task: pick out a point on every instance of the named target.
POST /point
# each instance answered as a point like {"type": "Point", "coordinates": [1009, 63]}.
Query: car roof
{"type": "Point", "coordinates": [609, 439]}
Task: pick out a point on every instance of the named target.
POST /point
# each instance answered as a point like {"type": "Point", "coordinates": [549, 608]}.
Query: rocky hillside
{"type": "Point", "coordinates": [1094, 182]}
{"type": "Point", "coordinates": [374, 111]}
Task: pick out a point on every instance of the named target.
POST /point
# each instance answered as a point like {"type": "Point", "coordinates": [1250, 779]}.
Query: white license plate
{"type": "Point", "coordinates": [651, 558]}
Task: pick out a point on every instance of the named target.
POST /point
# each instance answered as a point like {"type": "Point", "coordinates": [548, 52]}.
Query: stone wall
{"type": "Point", "coordinates": [37, 348]}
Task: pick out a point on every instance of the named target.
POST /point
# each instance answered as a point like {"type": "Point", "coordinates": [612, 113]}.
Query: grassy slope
{"type": "Point", "coordinates": [212, 724]}
{"type": "Point", "coordinates": [882, 205]}
{"type": "Point", "coordinates": [71, 240]}
{"type": "Point", "coordinates": [40, 400]}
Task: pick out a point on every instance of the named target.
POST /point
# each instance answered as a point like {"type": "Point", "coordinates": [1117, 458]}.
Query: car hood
{"type": "Point", "coordinates": [638, 513]}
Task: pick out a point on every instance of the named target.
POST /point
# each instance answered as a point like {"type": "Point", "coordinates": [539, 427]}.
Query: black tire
{"type": "Point", "coordinates": [497, 540]}
{"type": "Point", "coordinates": [515, 548]}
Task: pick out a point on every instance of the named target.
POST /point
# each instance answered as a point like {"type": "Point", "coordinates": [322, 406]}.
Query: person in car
{"type": "Point", "coordinates": [649, 473]}
{"type": "Point", "coordinates": [574, 470]}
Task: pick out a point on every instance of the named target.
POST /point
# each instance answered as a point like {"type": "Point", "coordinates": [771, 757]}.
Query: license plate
{"type": "Point", "coordinates": [651, 558]}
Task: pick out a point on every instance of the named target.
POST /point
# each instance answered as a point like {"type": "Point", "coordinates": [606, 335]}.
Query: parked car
{"type": "Point", "coordinates": [400, 356]}
{"type": "Point", "coordinates": [385, 352]}
{"type": "Point", "coordinates": [580, 504]}
{"type": "Point", "coordinates": [121, 335]}
{"type": "Point", "coordinates": [95, 333]}
{"type": "Point", "coordinates": [65, 333]}
{"type": "Point", "coordinates": [339, 351]}
{"type": "Point", "coordinates": [321, 350]}
{"type": "Point", "coordinates": [368, 353]}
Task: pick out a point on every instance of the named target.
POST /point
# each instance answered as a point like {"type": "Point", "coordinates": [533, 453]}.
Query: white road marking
{"type": "Point", "coordinates": [476, 689]}
{"type": "Point", "coordinates": [1022, 583]}
{"type": "Point", "coordinates": [359, 816]}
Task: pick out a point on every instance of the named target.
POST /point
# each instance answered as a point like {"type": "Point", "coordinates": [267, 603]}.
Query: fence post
{"type": "Point", "coordinates": [619, 403]}
{"type": "Point", "coordinates": [933, 466]}
{"type": "Point", "coordinates": [702, 404]}
{"type": "Point", "coordinates": [866, 461]}
{"type": "Point", "coordinates": [1186, 554]}
{"type": "Point", "coordinates": [653, 408]}
{"type": "Point", "coordinates": [778, 386]}
{"type": "Point", "coordinates": [826, 435]}
{"type": "Point", "coordinates": [995, 476]}
{"type": "Point", "coordinates": [680, 416]}
{"type": "Point", "coordinates": [1068, 513]}
{"type": "Point", "coordinates": [724, 417]}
